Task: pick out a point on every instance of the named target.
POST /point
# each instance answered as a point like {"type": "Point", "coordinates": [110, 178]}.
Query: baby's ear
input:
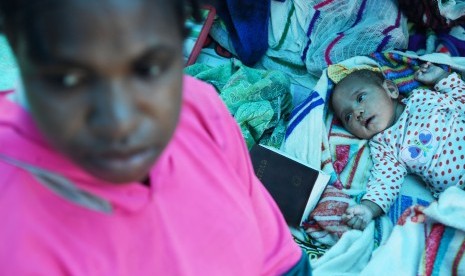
{"type": "Point", "coordinates": [391, 88]}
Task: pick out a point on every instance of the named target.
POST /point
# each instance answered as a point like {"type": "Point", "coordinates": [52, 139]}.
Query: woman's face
{"type": "Point", "coordinates": [103, 81]}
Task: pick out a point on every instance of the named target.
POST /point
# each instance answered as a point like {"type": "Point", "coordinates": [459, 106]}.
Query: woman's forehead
{"type": "Point", "coordinates": [110, 27]}
{"type": "Point", "coordinates": [62, 14]}
{"type": "Point", "coordinates": [81, 10]}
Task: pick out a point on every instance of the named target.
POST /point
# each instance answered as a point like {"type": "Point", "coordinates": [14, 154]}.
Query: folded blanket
{"type": "Point", "coordinates": [259, 100]}
{"type": "Point", "coordinates": [313, 34]}
{"type": "Point", "coordinates": [305, 130]}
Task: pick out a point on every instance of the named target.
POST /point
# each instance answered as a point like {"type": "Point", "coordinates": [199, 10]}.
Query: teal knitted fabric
{"type": "Point", "coordinates": [259, 100]}
{"type": "Point", "coordinates": [8, 68]}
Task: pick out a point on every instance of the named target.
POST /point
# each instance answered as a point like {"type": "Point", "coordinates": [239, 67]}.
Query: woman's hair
{"type": "Point", "coordinates": [16, 15]}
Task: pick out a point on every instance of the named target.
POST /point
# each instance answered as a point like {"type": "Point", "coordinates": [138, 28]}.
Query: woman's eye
{"type": "Point", "coordinates": [361, 97]}
{"type": "Point", "coordinates": [69, 80]}
{"type": "Point", "coordinates": [148, 71]}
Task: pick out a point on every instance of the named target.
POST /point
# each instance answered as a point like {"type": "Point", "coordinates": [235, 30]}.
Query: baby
{"type": "Point", "coordinates": [423, 134]}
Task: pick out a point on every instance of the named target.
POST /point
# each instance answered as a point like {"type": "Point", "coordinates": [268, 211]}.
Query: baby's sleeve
{"type": "Point", "coordinates": [452, 85]}
{"type": "Point", "coordinates": [386, 176]}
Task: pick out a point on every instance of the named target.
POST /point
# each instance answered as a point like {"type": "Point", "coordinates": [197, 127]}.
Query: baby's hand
{"type": "Point", "coordinates": [430, 74]}
{"type": "Point", "coordinates": [358, 216]}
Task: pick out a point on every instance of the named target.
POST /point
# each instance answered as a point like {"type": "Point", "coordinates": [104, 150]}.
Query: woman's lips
{"type": "Point", "coordinates": [123, 160]}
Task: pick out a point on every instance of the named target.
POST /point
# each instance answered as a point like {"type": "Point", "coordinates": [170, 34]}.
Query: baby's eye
{"type": "Point", "coordinates": [347, 117]}
{"type": "Point", "coordinates": [361, 97]}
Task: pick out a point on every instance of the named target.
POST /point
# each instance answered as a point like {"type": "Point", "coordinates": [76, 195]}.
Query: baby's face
{"type": "Point", "coordinates": [365, 108]}
{"type": "Point", "coordinates": [103, 81]}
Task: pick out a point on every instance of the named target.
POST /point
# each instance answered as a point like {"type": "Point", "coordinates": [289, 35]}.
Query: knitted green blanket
{"type": "Point", "coordinates": [259, 100]}
{"type": "Point", "coordinates": [8, 69]}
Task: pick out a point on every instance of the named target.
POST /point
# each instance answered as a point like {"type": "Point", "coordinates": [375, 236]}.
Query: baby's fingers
{"type": "Point", "coordinates": [346, 216]}
{"type": "Point", "coordinates": [424, 67]}
{"type": "Point", "coordinates": [418, 75]}
{"type": "Point", "coordinates": [349, 213]}
{"type": "Point", "coordinates": [357, 223]}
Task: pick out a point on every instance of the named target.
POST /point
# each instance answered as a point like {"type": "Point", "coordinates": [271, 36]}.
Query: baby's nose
{"type": "Point", "coordinates": [359, 114]}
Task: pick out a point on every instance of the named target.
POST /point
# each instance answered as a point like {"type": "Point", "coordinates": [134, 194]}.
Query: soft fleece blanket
{"type": "Point", "coordinates": [425, 241]}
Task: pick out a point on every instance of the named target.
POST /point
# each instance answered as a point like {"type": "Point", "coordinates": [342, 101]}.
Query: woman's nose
{"type": "Point", "coordinates": [114, 113]}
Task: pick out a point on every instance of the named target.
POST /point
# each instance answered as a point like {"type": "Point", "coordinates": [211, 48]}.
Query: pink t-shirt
{"type": "Point", "coordinates": [205, 212]}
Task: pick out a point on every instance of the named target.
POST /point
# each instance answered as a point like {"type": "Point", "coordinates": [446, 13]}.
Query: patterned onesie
{"type": "Point", "coordinates": [428, 140]}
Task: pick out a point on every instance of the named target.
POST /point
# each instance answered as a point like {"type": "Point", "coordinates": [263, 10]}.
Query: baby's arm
{"type": "Point", "coordinates": [383, 186]}
{"type": "Point", "coordinates": [359, 216]}
{"type": "Point", "coordinates": [454, 86]}
{"type": "Point", "coordinates": [430, 74]}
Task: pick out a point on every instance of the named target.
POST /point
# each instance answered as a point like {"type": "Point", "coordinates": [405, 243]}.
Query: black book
{"type": "Point", "coordinates": [296, 187]}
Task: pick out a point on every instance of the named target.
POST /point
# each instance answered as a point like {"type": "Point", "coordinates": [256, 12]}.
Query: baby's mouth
{"type": "Point", "coordinates": [367, 121]}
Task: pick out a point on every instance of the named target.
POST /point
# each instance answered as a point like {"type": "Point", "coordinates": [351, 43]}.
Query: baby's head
{"type": "Point", "coordinates": [366, 103]}
{"type": "Point", "coordinates": [102, 79]}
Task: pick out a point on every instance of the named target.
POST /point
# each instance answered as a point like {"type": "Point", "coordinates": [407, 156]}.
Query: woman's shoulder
{"type": "Point", "coordinates": [202, 104]}
{"type": "Point", "coordinates": [201, 95]}
{"type": "Point", "coordinates": [204, 115]}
